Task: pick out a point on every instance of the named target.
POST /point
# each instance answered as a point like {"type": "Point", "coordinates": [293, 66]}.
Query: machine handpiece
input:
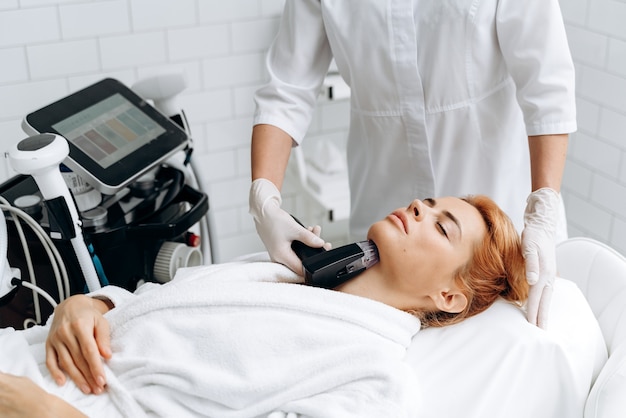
{"type": "Point", "coordinates": [329, 269]}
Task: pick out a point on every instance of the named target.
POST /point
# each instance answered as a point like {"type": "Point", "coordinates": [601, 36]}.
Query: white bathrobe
{"type": "Point", "coordinates": [235, 340]}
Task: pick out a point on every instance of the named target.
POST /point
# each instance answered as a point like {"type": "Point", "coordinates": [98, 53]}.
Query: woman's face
{"type": "Point", "coordinates": [423, 245]}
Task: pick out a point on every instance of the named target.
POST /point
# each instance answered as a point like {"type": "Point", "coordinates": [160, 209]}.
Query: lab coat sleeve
{"type": "Point", "coordinates": [297, 63]}
{"type": "Point", "coordinates": [534, 44]}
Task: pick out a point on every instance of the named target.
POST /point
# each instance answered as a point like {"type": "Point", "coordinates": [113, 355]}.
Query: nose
{"type": "Point", "coordinates": [418, 209]}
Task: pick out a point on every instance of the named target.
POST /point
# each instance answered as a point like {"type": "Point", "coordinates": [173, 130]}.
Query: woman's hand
{"type": "Point", "coordinates": [78, 339]}
{"type": "Point", "coordinates": [20, 397]}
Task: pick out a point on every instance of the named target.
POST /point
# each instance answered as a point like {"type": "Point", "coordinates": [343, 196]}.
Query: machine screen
{"type": "Point", "coordinates": [114, 135]}
{"type": "Point", "coordinates": [109, 130]}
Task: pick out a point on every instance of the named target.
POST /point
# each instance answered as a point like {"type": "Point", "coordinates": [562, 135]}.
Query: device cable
{"type": "Point", "coordinates": [56, 261]}
{"type": "Point", "coordinates": [37, 289]}
{"type": "Point", "coordinates": [16, 281]}
{"type": "Point", "coordinates": [209, 223]}
{"type": "Point", "coordinates": [27, 257]}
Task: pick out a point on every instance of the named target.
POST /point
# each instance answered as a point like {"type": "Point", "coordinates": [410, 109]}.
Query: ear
{"type": "Point", "coordinates": [452, 301]}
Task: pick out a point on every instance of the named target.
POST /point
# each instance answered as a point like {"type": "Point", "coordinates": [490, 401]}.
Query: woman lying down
{"type": "Point", "coordinates": [242, 340]}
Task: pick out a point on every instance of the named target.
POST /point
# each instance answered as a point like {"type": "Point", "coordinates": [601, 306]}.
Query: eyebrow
{"type": "Point", "coordinates": [432, 203]}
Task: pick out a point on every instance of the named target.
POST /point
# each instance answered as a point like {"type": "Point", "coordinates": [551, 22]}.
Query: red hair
{"type": "Point", "coordinates": [497, 267]}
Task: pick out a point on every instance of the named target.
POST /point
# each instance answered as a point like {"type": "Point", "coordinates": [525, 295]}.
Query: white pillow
{"type": "Point", "coordinates": [608, 395]}
{"type": "Point", "coordinates": [496, 364]}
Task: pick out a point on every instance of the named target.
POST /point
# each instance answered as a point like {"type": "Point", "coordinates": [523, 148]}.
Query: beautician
{"type": "Point", "coordinates": [448, 97]}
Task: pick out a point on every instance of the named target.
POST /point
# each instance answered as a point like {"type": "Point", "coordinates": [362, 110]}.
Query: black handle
{"type": "Point", "coordinates": [302, 250]}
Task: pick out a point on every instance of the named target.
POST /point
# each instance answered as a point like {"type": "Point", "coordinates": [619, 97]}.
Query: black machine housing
{"type": "Point", "coordinates": [138, 221]}
{"type": "Point", "coordinates": [145, 201]}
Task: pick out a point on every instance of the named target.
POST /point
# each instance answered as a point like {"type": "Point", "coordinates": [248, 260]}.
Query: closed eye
{"type": "Point", "coordinates": [442, 230]}
{"type": "Point", "coordinates": [432, 203]}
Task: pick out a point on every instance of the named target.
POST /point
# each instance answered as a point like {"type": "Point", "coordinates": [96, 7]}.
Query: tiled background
{"type": "Point", "coordinates": [49, 49]}
{"type": "Point", "coordinates": [595, 176]}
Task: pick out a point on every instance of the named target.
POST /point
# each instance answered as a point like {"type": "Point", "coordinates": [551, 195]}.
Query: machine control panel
{"type": "Point", "coordinates": [114, 135]}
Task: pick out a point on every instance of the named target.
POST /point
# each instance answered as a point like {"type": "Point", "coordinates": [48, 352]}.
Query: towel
{"type": "Point", "coordinates": [238, 340]}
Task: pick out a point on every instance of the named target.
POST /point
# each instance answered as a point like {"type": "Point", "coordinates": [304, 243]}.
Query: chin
{"type": "Point", "coordinates": [373, 232]}
{"type": "Point", "coordinates": [382, 235]}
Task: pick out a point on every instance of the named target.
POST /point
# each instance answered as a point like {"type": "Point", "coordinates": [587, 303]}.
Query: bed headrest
{"type": "Point", "coordinates": [606, 399]}
{"type": "Point", "coordinates": [600, 272]}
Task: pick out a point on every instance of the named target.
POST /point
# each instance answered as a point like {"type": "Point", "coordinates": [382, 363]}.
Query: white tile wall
{"type": "Point", "coordinates": [617, 57]}
{"type": "Point", "coordinates": [230, 11]}
{"type": "Point", "coordinates": [29, 26]}
{"type": "Point", "coordinates": [253, 35]}
{"type": "Point", "coordinates": [50, 48]}
{"type": "Point", "coordinates": [575, 10]}
{"type": "Point", "coordinates": [594, 185]}
{"type": "Point", "coordinates": [612, 126]}
{"type": "Point", "coordinates": [233, 70]}
{"type": "Point", "coordinates": [597, 221]}
{"type": "Point", "coordinates": [607, 16]}
{"type": "Point", "coordinates": [588, 48]}
{"type": "Point", "coordinates": [94, 19]}
{"type": "Point", "coordinates": [597, 154]}
{"type": "Point", "coordinates": [162, 14]}
{"type": "Point", "coordinates": [20, 98]}
{"type": "Point", "coordinates": [618, 238]}
{"type": "Point", "coordinates": [135, 49]}
{"type": "Point", "coordinates": [59, 59]}
{"type": "Point", "coordinates": [14, 68]}
{"type": "Point", "coordinates": [207, 41]}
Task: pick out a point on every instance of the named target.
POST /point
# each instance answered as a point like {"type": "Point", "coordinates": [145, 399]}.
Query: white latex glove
{"type": "Point", "coordinates": [276, 227]}
{"type": "Point", "coordinates": [538, 246]}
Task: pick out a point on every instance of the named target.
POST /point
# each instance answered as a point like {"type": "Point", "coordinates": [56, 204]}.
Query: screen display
{"type": "Point", "coordinates": [109, 130]}
{"type": "Point", "coordinates": [114, 135]}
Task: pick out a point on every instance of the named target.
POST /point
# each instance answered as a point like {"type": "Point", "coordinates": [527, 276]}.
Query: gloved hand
{"type": "Point", "coordinates": [276, 227]}
{"type": "Point", "coordinates": [538, 246]}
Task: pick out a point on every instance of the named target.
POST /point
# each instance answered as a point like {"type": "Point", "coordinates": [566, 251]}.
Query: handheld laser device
{"type": "Point", "coordinates": [331, 268]}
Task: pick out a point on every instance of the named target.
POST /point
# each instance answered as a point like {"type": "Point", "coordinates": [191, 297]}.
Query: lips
{"type": "Point", "coordinates": [399, 218]}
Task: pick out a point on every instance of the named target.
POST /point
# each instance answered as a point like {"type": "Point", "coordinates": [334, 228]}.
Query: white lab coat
{"type": "Point", "coordinates": [443, 93]}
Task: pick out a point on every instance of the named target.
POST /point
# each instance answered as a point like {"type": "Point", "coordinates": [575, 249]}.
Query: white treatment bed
{"type": "Point", "coordinates": [600, 272]}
